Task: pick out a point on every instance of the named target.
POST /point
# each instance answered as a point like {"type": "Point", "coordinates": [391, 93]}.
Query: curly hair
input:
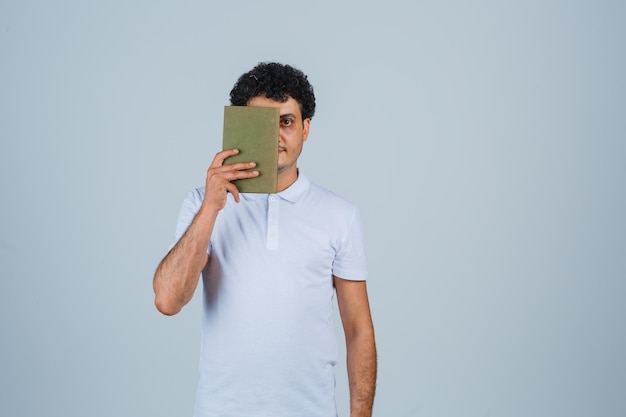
{"type": "Point", "coordinates": [277, 82]}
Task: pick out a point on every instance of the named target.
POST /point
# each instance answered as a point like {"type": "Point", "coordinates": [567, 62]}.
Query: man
{"type": "Point", "coordinates": [270, 266]}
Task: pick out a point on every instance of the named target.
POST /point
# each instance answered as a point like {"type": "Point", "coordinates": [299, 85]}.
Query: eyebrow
{"type": "Point", "coordinates": [286, 115]}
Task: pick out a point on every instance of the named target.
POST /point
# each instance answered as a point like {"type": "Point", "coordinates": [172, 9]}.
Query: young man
{"type": "Point", "coordinates": [270, 265]}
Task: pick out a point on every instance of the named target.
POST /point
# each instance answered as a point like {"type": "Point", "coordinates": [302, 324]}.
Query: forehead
{"type": "Point", "coordinates": [290, 106]}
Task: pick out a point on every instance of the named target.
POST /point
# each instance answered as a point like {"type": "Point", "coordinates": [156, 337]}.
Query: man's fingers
{"type": "Point", "coordinates": [232, 172]}
{"type": "Point", "coordinates": [237, 166]}
{"type": "Point", "coordinates": [216, 180]}
{"type": "Point", "coordinates": [231, 188]}
{"type": "Point", "coordinates": [220, 175]}
{"type": "Point", "coordinates": [221, 156]}
{"type": "Point", "coordinates": [238, 174]}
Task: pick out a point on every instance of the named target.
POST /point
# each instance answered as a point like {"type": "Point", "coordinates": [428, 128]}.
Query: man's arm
{"type": "Point", "coordinates": [176, 277]}
{"type": "Point", "coordinates": [360, 344]}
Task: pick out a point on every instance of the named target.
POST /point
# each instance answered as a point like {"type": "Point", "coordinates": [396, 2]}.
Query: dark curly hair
{"type": "Point", "coordinates": [278, 82]}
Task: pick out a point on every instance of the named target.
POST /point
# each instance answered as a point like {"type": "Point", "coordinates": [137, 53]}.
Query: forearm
{"type": "Point", "coordinates": [361, 359]}
{"type": "Point", "coordinates": [176, 277]}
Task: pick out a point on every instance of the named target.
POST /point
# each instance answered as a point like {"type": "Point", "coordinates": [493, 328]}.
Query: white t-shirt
{"type": "Point", "coordinates": [268, 343]}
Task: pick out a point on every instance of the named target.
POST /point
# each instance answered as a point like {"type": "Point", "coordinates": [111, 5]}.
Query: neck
{"type": "Point", "coordinates": [285, 179]}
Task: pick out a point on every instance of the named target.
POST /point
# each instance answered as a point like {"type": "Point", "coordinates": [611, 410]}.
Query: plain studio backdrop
{"type": "Point", "coordinates": [483, 141]}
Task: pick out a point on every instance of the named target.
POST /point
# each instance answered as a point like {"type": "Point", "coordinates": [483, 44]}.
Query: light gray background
{"type": "Point", "coordinates": [483, 142]}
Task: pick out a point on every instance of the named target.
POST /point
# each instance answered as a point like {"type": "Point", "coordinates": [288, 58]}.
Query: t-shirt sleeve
{"type": "Point", "coordinates": [350, 262]}
{"type": "Point", "coordinates": [188, 211]}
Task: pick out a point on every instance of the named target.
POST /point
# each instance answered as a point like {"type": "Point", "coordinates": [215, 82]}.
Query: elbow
{"type": "Point", "coordinates": [165, 306]}
{"type": "Point", "coordinates": [360, 335]}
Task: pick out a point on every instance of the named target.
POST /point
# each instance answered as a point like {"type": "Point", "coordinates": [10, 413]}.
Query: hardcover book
{"type": "Point", "coordinates": [254, 131]}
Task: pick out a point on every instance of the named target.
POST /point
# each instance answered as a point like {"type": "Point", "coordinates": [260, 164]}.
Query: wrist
{"type": "Point", "coordinates": [208, 210]}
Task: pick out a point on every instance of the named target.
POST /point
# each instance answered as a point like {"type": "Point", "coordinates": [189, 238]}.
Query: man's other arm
{"type": "Point", "coordinates": [360, 344]}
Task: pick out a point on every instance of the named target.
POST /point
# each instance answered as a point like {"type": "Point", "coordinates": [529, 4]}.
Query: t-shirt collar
{"type": "Point", "coordinates": [296, 191]}
{"type": "Point", "coordinates": [293, 193]}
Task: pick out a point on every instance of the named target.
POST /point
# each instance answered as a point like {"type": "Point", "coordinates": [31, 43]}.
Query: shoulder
{"type": "Point", "coordinates": [328, 207]}
{"type": "Point", "coordinates": [330, 198]}
{"type": "Point", "coordinates": [194, 198]}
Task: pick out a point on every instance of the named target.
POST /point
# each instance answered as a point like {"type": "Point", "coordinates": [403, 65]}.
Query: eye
{"type": "Point", "coordinates": [286, 122]}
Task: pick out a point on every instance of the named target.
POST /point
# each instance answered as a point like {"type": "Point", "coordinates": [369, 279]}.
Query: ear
{"type": "Point", "coordinates": [306, 124]}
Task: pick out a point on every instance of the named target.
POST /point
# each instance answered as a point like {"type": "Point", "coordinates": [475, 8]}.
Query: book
{"type": "Point", "coordinates": [254, 131]}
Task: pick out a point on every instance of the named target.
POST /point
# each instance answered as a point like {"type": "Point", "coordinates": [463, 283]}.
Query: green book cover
{"type": "Point", "coordinates": [254, 131]}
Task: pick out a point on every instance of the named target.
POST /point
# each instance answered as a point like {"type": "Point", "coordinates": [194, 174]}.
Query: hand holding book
{"type": "Point", "coordinates": [220, 177]}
